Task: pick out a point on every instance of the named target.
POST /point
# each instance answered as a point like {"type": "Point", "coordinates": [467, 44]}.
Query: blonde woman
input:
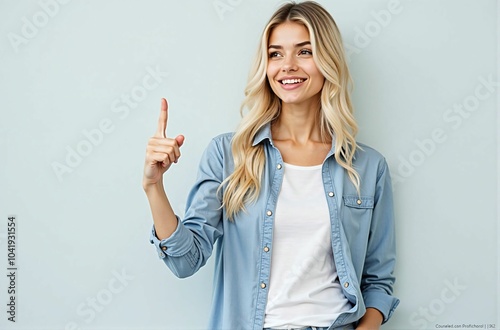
{"type": "Point", "coordinates": [301, 212]}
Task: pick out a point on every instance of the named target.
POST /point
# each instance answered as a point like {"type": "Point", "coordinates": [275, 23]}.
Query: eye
{"type": "Point", "coordinates": [274, 54]}
{"type": "Point", "coordinates": [305, 52]}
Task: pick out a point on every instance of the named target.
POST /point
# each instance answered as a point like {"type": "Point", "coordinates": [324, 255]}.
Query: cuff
{"type": "Point", "coordinates": [178, 244]}
{"type": "Point", "coordinates": [385, 303]}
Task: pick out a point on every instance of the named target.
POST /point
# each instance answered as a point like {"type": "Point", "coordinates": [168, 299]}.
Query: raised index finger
{"type": "Point", "coordinates": [162, 121]}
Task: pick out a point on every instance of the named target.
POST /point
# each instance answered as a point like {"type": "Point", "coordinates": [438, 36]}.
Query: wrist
{"type": "Point", "coordinates": [151, 187]}
{"type": "Point", "coordinates": [372, 320]}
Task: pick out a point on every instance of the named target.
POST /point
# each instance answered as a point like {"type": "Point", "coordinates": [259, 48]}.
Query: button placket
{"type": "Point", "coordinates": [275, 181]}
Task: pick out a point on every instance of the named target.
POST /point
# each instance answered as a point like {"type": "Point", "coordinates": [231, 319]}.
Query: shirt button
{"type": "Point", "coordinates": [164, 248]}
{"type": "Point", "coordinates": [331, 194]}
{"type": "Point", "coordinates": [346, 284]}
{"type": "Point", "coordinates": [263, 285]}
{"type": "Point", "coordinates": [358, 201]}
{"type": "Point", "coordinates": [278, 166]}
{"type": "Point", "coordinates": [266, 249]}
{"type": "Point", "coordinates": [269, 213]}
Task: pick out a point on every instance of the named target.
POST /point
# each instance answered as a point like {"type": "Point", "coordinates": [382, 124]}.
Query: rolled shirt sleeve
{"type": "Point", "coordinates": [179, 242]}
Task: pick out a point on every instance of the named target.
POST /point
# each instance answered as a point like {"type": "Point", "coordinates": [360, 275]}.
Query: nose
{"type": "Point", "coordinates": [289, 64]}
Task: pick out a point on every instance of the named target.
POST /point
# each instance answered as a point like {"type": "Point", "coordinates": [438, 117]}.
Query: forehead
{"type": "Point", "coordinates": [288, 33]}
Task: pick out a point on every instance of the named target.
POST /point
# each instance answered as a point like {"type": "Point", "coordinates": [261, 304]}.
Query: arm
{"type": "Point", "coordinates": [378, 279]}
{"type": "Point", "coordinates": [161, 152]}
{"type": "Point", "coordinates": [188, 248]}
{"type": "Point", "coordinates": [164, 218]}
{"type": "Point", "coordinates": [184, 246]}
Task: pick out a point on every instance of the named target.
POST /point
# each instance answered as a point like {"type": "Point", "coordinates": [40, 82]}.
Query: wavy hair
{"type": "Point", "coordinates": [263, 106]}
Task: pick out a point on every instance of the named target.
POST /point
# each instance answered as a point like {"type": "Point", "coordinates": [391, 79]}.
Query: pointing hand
{"type": "Point", "coordinates": [161, 151]}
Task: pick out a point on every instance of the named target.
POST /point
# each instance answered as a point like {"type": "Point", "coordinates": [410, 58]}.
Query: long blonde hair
{"type": "Point", "coordinates": [336, 118]}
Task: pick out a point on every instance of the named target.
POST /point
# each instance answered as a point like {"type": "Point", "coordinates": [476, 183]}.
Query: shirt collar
{"type": "Point", "coordinates": [265, 133]}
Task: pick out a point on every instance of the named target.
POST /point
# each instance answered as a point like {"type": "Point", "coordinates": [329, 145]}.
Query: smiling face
{"type": "Point", "coordinates": [291, 70]}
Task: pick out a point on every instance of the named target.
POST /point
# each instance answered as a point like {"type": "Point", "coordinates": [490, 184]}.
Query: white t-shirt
{"type": "Point", "coordinates": [304, 289]}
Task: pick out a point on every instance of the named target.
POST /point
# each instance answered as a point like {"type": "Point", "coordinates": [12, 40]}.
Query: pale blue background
{"type": "Point", "coordinates": [76, 232]}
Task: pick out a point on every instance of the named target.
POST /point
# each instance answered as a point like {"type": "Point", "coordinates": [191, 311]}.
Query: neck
{"type": "Point", "coordinates": [298, 122]}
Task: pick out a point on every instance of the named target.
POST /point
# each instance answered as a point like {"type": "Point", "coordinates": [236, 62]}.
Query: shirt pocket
{"type": "Point", "coordinates": [356, 216]}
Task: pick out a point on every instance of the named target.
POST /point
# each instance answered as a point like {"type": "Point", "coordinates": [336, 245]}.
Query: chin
{"type": "Point", "coordinates": [291, 100]}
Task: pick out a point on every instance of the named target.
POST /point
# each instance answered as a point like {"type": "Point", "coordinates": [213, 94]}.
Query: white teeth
{"type": "Point", "coordinates": [291, 81]}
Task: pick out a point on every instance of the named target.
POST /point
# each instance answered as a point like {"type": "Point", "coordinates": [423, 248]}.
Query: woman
{"type": "Point", "coordinates": [301, 212]}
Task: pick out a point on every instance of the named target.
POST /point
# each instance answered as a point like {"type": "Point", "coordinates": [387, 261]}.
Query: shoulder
{"type": "Point", "coordinates": [368, 158]}
{"type": "Point", "coordinates": [221, 143]}
{"type": "Point", "coordinates": [223, 138]}
{"type": "Point", "coordinates": [368, 152]}
{"type": "Point", "coordinates": [218, 150]}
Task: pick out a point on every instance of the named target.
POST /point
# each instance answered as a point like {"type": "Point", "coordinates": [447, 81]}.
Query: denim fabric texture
{"type": "Point", "coordinates": [362, 235]}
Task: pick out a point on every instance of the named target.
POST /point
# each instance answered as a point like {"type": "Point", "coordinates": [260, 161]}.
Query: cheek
{"type": "Point", "coordinates": [272, 70]}
{"type": "Point", "coordinates": [313, 69]}
{"type": "Point", "coordinates": [318, 76]}
{"type": "Point", "coordinates": [272, 84]}
{"type": "Point", "coordinates": [320, 84]}
{"type": "Point", "coordinates": [269, 76]}
{"type": "Point", "coordinates": [321, 80]}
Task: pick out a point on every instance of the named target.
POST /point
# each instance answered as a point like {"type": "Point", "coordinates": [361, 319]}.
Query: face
{"type": "Point", "coordinates": [291, 70]}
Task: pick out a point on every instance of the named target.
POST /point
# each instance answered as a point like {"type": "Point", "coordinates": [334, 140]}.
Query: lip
{"type": "Point", "coordinates": [291, 86]}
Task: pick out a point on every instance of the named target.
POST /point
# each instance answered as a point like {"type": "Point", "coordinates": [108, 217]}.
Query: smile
{"type": "Point", "coordinates": [291, 81]}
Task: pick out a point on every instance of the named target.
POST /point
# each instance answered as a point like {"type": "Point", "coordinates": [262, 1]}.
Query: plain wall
{"type": "Point", "coordinates": [80, 87]}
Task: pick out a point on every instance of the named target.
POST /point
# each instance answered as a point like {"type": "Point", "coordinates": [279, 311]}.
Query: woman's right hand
{"type": "Point", "coordinates": [161, 151]}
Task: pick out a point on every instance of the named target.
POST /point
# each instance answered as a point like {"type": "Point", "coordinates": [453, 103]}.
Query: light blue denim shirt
{"type": "Point", "coordinates": [362, 235]}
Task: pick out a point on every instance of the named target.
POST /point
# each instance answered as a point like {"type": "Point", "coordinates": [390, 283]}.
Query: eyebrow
{"type": "Point", "coordinates": [300, 44]}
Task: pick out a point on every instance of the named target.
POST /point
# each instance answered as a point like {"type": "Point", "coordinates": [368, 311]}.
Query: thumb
{"type": "Point", "coordinates": [180, 140]}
